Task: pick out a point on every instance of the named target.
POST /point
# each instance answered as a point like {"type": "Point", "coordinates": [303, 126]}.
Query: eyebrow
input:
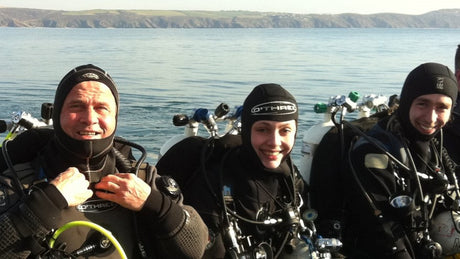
{"type": "Point", "coordinates": [424, 99]}
{"type": "Point", "coordinates": [83, 101]}
{"type": "Point", "coordinates": [283, 124]}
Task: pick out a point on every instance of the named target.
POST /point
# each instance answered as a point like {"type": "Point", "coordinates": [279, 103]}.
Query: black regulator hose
{"type": "Point", "coordinates": [449, 164]}
{"type": "Point", "coordinates": [136, 146]}
{"type": "Point", "coordinates": [204, 156]}
{"type": "Point", "coordinates": [15, 179]}
{"type": "Point", "coordinates": [269, 222]}
{"type": "Point", "coordinates": [377, 145]}
{"type": "Point", "coordinates": [126, 164]}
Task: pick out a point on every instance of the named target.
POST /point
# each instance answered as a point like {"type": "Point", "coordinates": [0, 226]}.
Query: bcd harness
{"type": "Point", "coordinates": [419, 224]}
{"type": "Point", "coordinates": [241, 245]}
{"type": "Point", "coordinates": [19, 180]}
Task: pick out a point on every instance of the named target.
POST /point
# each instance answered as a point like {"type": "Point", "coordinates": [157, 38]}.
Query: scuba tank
{"type": "Point", "coordinates": [22, 121]}
{"type": "Point", "coordinates": [337, 104]}
{"type": "Point", "coordinates": [315, 134]}
{"type": "Point", "coordinates": [311, 140]}
{"type": "Point", "coordinates": [209, 121]}
{"type": "Point", "coordinates": [445, 229]}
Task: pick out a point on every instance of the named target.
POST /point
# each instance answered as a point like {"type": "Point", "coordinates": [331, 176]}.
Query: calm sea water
{"type": "Point", "coordinates": [161, 72]}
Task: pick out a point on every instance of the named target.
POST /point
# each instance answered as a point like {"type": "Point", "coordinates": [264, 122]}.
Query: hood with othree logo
{"type": "Point", "coordinates": [266, 102]}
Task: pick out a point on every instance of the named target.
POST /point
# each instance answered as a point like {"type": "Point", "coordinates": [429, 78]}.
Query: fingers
{"type": "Point", "coordinates": [115, 183]}
{"type": "Point", "coordinates": [125, 189]}
{"type": "Point", "coordinates": [73, 186]}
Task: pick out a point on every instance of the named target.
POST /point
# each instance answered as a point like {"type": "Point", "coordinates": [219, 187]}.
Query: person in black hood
{"type": "Point", "coordinates": [82, 138]}
{"type": "Point", "coordinates": [238, 183]}
{"type": "Point", "coordinates": [452, 129]}
{"type": "Point", "coordinates": [399, 173]}
{"type": "Point", "coordinates": [83, 172]}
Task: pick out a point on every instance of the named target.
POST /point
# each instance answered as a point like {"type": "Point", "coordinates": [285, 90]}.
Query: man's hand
{"type": "Point", "coordinates": [73, 186]}
{"type": "Point", "coordinates": [126, 189]}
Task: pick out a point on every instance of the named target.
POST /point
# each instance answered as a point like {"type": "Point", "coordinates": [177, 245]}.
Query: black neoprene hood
{"type": "Point", "coordinates": [82, 148]}
{"type": "Point", "coordinates": [266, 102]}
{"type": "Point", "coordinates": [428, 78]}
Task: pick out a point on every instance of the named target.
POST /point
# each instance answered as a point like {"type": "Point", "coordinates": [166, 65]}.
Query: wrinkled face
{"type": "Point", "coordinates": [430, 112]}
{"type": "Point", "coordinates": [89, 111]}
{"type": "Point", "coordinates": [273, 141]}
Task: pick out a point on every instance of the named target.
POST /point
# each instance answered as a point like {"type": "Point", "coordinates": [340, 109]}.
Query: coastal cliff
{"type": "Point", "coordinates": [23, 17]}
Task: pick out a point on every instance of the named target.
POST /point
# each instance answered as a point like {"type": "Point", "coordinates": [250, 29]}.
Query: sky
{"type": "Point", "coordinates": [288, 6]}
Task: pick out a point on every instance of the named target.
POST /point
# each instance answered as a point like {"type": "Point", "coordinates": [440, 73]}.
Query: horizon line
{"type": "Point", "coordinates": [198, 10]}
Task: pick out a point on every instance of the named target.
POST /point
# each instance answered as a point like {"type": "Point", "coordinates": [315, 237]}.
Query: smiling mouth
{"type": "Point", "coordinates": [271, 153]}
{"type": "Point", "coordinates": [88, 133]}
{"type": "Point", "coordinates": [428, 128]}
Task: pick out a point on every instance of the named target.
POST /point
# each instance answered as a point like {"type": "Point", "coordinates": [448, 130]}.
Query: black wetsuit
{"type": "Point", "coordinates": [204, 168]}
{"type": "Point", "coordinates": [373, 228]}
{"type": "Point", "coordinates": [164, 227]}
